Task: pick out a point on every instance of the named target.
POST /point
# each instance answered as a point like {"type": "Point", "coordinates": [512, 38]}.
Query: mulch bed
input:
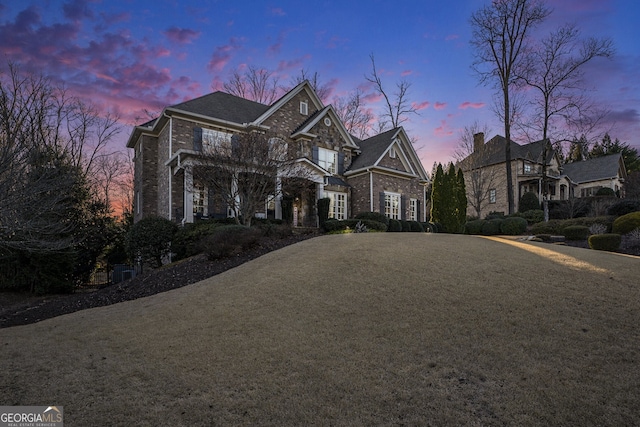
{"type": "Point", "coordinates": [21, 309]}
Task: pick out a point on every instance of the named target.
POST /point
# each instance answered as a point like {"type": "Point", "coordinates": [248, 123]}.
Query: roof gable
{"type": "Point", "coordinates": [599, 168]}
{"type": "Point", "coordinates": [327, 112]}
{"type": "Point", "coordinates": [304, 86]}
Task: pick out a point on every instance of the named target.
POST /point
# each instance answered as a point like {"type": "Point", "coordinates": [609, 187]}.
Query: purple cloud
{"type": "Point", "coordinates": [181, 35]}
{"type": "Point", "coordinates": [440, 105]}
{"type": "Point", "coordinates": [77, 10]}
{"type": "Point", "coordinates": [420, 106]}
{"type": "Point", "coordinates": [222, 55]}
{"type": "Point", "coordinates": [468, 104]}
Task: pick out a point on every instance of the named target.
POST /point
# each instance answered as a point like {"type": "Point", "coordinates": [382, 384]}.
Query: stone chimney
{"type": "Point", "coordinates": [478, 141]}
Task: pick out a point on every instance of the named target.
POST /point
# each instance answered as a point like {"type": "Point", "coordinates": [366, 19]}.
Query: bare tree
{"type": "Point", "coordinates": [397, 105]}
{"type": "Point", "coordinates": [244, 171]}
{"type": "Point", "coordinates": [351, 111]}
{"type": "Point", "coordinates": [554, 69]}
{"type": "Point", "coordinates": [112, 177]}
{"type": "Point", "coordinates": [48, 143]}
{"type": "Point", "coordinates": [500, 35]}
{"type": "Point", "coordinates": [473, 157]}
{"type": "Point", "coordinates": [322, 89]}
{"type": "Point", "coordinates": [256, 84]}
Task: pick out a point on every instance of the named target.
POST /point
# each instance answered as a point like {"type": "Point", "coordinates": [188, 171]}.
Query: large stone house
{"type": "Point", "coordinates": [381, 174]}
{"type": "Point", "coordinates": [486, 176]}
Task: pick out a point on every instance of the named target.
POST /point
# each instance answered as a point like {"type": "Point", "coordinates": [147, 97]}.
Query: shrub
{"type": "Point", "coordinates": [186, 241]}
{"type": "Point", "coordinates": [533, 216]}
{"type": "Point", "coordinates": [605, 191]}
{"type": "Point", "coordinates": [495, 215]}
{"type": "Point", "coordinates": [553, 227]}
{"type": "Point", "coordinates": [275, 229]}
{"type": "Point", "coordinates": [406, 227]}
{"type": "Point", "coordinates": [626, 223]}
{"type": "Point", "coordinates": [605, 242]}
{"type": "Point", "coordinates": [229, 240]}
{"type": "Point", "coordinates": [394, 226]}
{"type": "Point", "coordinates": [513, 226]}
{"type": "Point", "coordinates": [416, 227]}
{"type": "Point", "coordinates": [474, 227]}
{"type": "Point", "coordinates": [150, 240]}
{"type": "Point", "coordinates": [323, 210]}
{"type": "Point", "coordinates": [436, 227]}
{"type": "Point", "coordinates": [576, 232]}
{"type": "Point", "coordinates": [544, 237]}
{"type": "Point", "coordinates": [624, 207]}
{"type": "Point", "coordinates": [529, 201]}
{"type": "Point", "coordinates": [374, 216]}
{"type": "Point", "coordinates": [589, 221]}
{"type": "Point", "coordinates": [335, 226]}
{"type": "Point", "coordinates": [492, 227]}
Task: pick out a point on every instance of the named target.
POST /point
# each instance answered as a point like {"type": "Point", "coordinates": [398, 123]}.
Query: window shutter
{"type": "Point", "coordinates": [315, 154]}
{"type": "Point", "coordinates": [403, 208]}
{"type": "Point", "coordinates": [235, 144]}
{"type": "Point", "coordinates": [197, 139]}
{"type": "Point", "coordinates": [340, 163]}
{"type": "Point", "coordinates": [418, 210]}
{"type": "Point", "coordinates": [382, 203]}
{"type": "Point", "coordinates": [211, 202]}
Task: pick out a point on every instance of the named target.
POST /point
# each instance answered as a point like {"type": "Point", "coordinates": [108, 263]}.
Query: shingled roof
{"type": "Point", "coordinates": [599, 168]}
{"type": "Point", "coordinates": [372, 148]}
{"type": "Point", "coordinates": [493, 152]}
{"type": "Point", "coordinates": [221, 105]}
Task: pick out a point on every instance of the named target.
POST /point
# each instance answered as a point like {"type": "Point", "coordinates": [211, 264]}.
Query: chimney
{"type": "Point", "coordinates": [478, 141]}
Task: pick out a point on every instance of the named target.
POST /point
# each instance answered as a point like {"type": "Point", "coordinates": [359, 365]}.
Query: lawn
{"type": "Point", "coordinates": [360, 329]}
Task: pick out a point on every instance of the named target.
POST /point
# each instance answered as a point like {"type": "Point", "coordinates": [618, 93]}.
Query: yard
{"type": "Point", "coordinates": [359, 329]}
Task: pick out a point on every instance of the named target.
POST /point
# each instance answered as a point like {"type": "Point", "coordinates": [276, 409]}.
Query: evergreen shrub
{"type": "Point", "coordinates": [626, 223]}
{"type": "Point", "coordinates": [492, 227]}
{"type": "Point", "coordinates": [576, 232]}
{"type": "Point", "coordinates": [513, 226]}
{"type": "Point", "coordinates": [375, 216]}
{"type": "Point", "coordinates": [150, 240]}
{"type": "Point", "coordinates": [230, 240]}
{"type": "Point", "coordinates": [605, 191]}
{"type": "Point", "coordinates": [624, 207]}
{"type": "Point", "coordinates": [394, 226]}
{"type": "Point", "coordinates": [406, 226]}
{"type": "Point", "coordinates": [605, 242]}
{"type": "Point", "coordinates": [323, 210]}
{"type": "Point", "coordinates": [474, 227]}
{"type": "Point", "coordinates": [416, 227]}
{"type": "Point", "coordinates": [336, 226]}
{"type": "Point", "coordinates": [529, 201]}
{"type": "Point", "coordinates": [553, 227]}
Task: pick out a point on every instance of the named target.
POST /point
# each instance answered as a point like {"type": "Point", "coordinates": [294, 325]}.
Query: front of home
{"type": "Point", "coordinates": [382, 173]}
{"type": "Point", "coordinates": [486, 176]}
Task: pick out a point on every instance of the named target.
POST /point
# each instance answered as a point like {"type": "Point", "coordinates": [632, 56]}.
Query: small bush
{"type": "Point", "coordinates": [533, 216]}
{"type": "Point", "coordinates": [492, 227]}
{"type": "Point", "coordinates": [436, 227]}
{"type": "Point", "coordinates": [605, 242]}
{"type": "Point", "coordinates": [416, 227]}
{"type": "Point", "coordinates": [513, 226]}
{"type": "Point", "coordinates": [394, 226]}
{"type": "Point", "coordinates": [529, 201]}
{"type": "Point", "coordinates": [474, 227]}
{"type": "Point", "coordinates": [553, 227]}
{"type": "Point", "coordinates": [495, 215]}
{"type": "Point", "coordinates": [605, 191]}
{"type": "Point", "coordinates": [626, 223]}
{"type": "Point", "coordinates": [229, 240]}
{"type": "Point", "coordinates": [576, 232]}
{"type": "Point", "coordinates": [374, 216]}
{"type": "Point", "coordinates": [278, 231]}
{"type": "Point", "coordinates": [335, 226]}
{"type": "Point", "coordinates": [186, 241]}
{"type": "Point", "coordinates": [323, 210]}
{"type": "Point", "coordinates": [150, 240]}
{"type": "Point", "coordinates": [406, 227]}
{"type": "Point", "coordinates": [624, 207]}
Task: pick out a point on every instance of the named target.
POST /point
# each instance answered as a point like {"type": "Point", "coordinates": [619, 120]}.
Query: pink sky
{"type": "Point", "coordinates": [129, 57]}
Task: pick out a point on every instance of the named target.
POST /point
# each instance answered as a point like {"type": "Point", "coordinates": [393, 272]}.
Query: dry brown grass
{"type": "Point", "coordinates": [362, 329]}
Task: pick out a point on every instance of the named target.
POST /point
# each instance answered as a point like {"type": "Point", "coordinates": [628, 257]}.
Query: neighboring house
{"type": "Point", "coordinates": [382, 173]}
{"type": "Point", "coordinates": [486, 183]}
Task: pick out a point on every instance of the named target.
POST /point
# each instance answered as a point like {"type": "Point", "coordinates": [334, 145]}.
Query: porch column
{"type": "Point", "coordinates": [319, 190]}
{"type": "Point", "coordinates": [234, 190]}
{"type": "Point", "coordinates": [188, 195]}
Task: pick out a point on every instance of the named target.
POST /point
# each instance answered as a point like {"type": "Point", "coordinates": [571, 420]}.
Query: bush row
{"type": "Point", "coordinates": [512, 226]}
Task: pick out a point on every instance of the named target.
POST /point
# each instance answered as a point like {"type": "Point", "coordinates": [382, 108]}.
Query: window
{"type": "Point", "coordinates": [200, 200]}
{"type": "Point", "coordinates": [338, 205]}
{"type": "Point", "coordinates": [328, 160]}
{"type": "Point", "coordinates": [304, 108]}
{"type": "Point", "coordinates": [492, 195]}
{"type": "Point", "coordinates": [392, 205]}
{"type": "Point", "coordinates": [212, 137]}
{"type": "Point", "coordinates": [392, 152]}
{"type": "Point", "coordinates": [413, 210]}
{"type": "Point", "coordinates": [527, 168]}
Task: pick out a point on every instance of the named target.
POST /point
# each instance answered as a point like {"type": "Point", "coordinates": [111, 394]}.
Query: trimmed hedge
{"type": "Point", "coordinates": [576, 232]}
{"type": "Point", "coordinates": [605, 242]}
{"type": "Point", "coordinates": [605, 191]}
{"type": "Point", "coordinates": [334, 225]}
{"type": "Point", "coordinates": [374, 216]}
{"type": "Point", "coordinates": [394, 226]}
{"type": "Point", "coordinates": [416, 227]}
{"type": "Point", "coordinates": [474, 227]}
{"type": "Point", "coordinates": [492, 227]}
{"type": "Point", "coordinates": [513, 226]}
{"type": "Point", "coordinates": [624, 207]}
{"type": "Point", "coordinates": [626, 223]}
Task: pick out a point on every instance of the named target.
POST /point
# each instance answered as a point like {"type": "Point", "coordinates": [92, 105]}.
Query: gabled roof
{"type": "Point", "coordinates": [223, 106]}
{"type": "Point", "coordinates": [374, 149]}
{"type": "Point", "coordinates": [303, 86]}
{"type": "Point", "coordinates": [493, 152]}
{"type": "Point", "coordinates": [306, 126]}
{"type": "Point", "coordinates": [599, 168]}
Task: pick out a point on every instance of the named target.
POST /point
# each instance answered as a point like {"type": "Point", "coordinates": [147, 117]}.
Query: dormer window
{"type": "Point", "coordinates": [527, 168]}
{"type": "Point", "coordinates": [304, 108]}
{"type": "Point", "coordinates": [392, 152]}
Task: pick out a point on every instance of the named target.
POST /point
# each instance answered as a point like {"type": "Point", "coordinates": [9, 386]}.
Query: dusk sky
{"type": "Point", "coordinates": [128, 56]}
